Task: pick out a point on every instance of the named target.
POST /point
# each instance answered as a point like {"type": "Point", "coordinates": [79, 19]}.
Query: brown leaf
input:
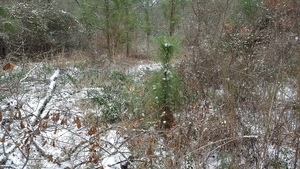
{"type": "Point", "coordinates": [50, 158]}
{"type": "Point", "coordinates": [92, 130]}
{"type": "Point", "coordinates": [1, 117]}
{"type": "Point", "coordinates": [29, 131]}
{"type": "Point", "coordinates": [47, 115]}
{"type": "Point", "coordinates": [19, 114]}
{"type": "Point", "coordinates": [36, 122]}
{"type": "Point", "coordinates": [17, 144]}
{"type": "Point", "coordinates": [170, 163]}
{"type": "Point", "coordinates": [8, 128]}
{"type": "Point", "coordinates": [145, 164]}
{"type": "Point", "coordinates": [55, 131]}
{"type": "Point", "coordinates": [9, 66]}
{"type": "Point", "coordinates": [26, 140]}
{"type": "Point", "coordinates": [11, 114]}
{"type": "Point", "coordinates": [37, 132]}
{"type": "Point", "coordinates": [77, 122]}
{"type": "Point", "coordinates": [2, 139]}
{"type": "Point", "coordinates": [52, 143]}
{"type": "Point", "coordinates": [45, 124]}
{"type": "Point", "coordinates": [149, 151]}
{"type": "Point", "coordinates": [27, 148]}
{"type": "Point", "coordinates": [64, 121]}
{"type": "Point", "coordinates": [22, 125]}
{"type": "Point", "coordinates": [95, 145]}
{"type": "Point", "coordinates": [44, 143]}
{"type": "Point", "coordinates": [94, 158]}
{"type": "Point", "coordinates": [55, 117]}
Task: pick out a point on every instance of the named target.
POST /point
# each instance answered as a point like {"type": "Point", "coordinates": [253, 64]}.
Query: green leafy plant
{"type": "Point", "coordinates": [225, 160]}
{"type": "Point", "coordinates": [278, 163]}
{"type": "Point", "coordinates": [113, 99]}
{"type": "Point", "coordinates": [8, 24]}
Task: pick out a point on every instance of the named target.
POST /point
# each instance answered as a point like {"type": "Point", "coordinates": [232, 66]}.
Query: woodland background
{"type": "Point", "coordinates": [150, 84]}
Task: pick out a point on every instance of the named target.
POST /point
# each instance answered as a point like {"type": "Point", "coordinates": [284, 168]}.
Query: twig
{"type": "Point", "coordinates": [27, 74]}
{"type": "Point", "coordinates": [225, 139]}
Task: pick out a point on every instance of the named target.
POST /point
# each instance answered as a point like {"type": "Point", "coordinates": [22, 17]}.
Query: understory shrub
{"type": "Point", "coordinates": [34, 30]}
{"type": "Point", "coordinates": [114, 100]}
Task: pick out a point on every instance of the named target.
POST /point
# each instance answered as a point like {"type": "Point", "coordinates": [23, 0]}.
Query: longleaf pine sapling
{"type": "Point", "coordinates": [165, 86]}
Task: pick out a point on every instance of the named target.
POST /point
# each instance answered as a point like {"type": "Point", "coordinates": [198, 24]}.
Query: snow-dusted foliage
{"type": "Point", "coordinates": [42, 127]}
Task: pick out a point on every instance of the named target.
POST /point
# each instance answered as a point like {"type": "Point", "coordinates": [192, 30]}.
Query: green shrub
{"type": "Point", "coordinates": [114, 99]}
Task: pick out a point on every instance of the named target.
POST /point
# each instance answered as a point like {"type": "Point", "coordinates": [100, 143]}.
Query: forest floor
{"type": "Point", "coordinates": [51, 116]}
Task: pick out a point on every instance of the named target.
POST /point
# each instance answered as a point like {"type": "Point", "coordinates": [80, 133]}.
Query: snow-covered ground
{"type": "Point", "coordinates": [43, 125]}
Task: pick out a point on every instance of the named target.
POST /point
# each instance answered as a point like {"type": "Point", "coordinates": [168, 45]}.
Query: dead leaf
{"type": "Point", "coordinates": [78, 122]}
{"type": "Point", "coordinates": [9, 66]}
{"type": "Point", "coordinates": [27, 148]}
{"type": "Point", "coordinates": [55, 131]}
{"type": "Point", "coordinates": [47, 115]}
{"type": "Point", "coordinates": [45, 124]}
{"type": "Point", "coordinates": [145, 164]}
{"type": "Point", "coordinates": [29, 131]}
{"type": "Point", "coordinates": [95, 145]}
{"type": "Point", "coordinates": [55, 117]}
{"type": "Point", "coordinates": [149, 151]}
{"type": "Point", "coordinates": [37, 132]}
{"type": "Point", "coordinates": [94, 158]}
{"type": "Point", "coordinates": [36, 122]}
{"type": "Point", "coordinates": [11, 114]}
{"type": "Point", "coordinates": [50, 158]}
{"type": "Point", "coordinates": [19, 114]}
{"type": "Point", "coordinates": [44, 143]}
{"type": "Point", "coordinates": [22, 125]}
{"type": "Point", "coordinates": [8, 128]}
{"type": "Point", "coordinates": [92, 130]}
{"type": "Point", "coordinates": [64, 121]}
{"type": "Point", "coordinates": [26, 140]}
{"type": "Point", "coordinates": [1, 117]}
{"type": "Point", "coordinates": [17, 144]}
{"type": "Point", "coordinates": [170, 163]}
{"type": "Point", "coordinates": [52, 143]}
{"type": "Point", "coordinates": [2, 139]}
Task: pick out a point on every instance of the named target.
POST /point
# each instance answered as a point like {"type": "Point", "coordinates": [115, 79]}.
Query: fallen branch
{"type": "Point", "coordinates": [43, 103]}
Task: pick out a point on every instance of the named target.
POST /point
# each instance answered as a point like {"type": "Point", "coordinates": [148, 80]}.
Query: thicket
{"type": "Point", "coordinates": [243, 57]}
{"type": "Point", "coordinates": [34, 30]}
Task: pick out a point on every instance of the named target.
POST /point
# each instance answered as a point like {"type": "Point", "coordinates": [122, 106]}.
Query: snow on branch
{"type": "Point", "coordinates": [43, 103]}
{"type": "Point", "coordinates": [26, 76]}
{"type": "Point", "coordinates": [226, 140]}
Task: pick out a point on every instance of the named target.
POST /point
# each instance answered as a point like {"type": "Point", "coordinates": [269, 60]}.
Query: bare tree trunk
{"type": "Point", "coordinates": [2, 49]}
{"type": "Point", "coordinates": [148, 24]}
{"type": "Point", "coordinates": [108, 29]}
{"type": "Point", "coordinates": [172, 17]}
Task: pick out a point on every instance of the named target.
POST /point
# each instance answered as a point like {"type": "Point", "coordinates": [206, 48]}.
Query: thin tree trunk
{"type": "Point", "coordinates": [108, 29]}
{"type": "Point", "coordinates": [148, 24]}
{"type": "Point", "coordinates": [172, 17]}
{"type": "Point", "coordinates": [127, 30]}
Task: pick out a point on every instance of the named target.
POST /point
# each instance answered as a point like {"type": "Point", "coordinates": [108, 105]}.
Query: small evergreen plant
{"type": "Point", "coordinates": [165, 86]}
